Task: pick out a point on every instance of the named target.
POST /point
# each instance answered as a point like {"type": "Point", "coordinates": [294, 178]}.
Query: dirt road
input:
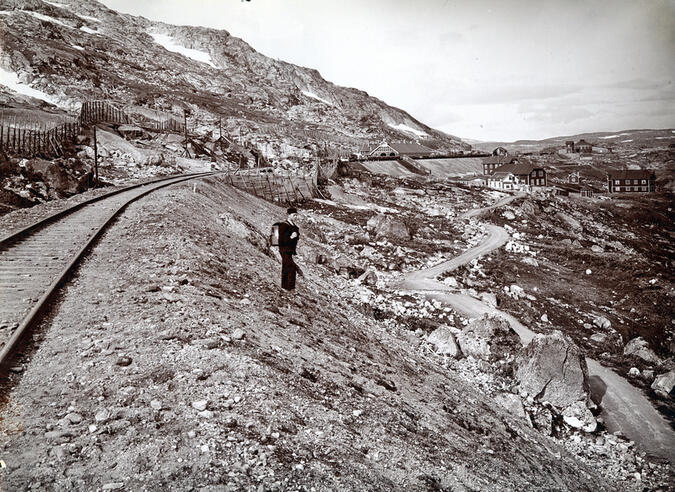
{"type": "Point", "coordinates": [625, 408]}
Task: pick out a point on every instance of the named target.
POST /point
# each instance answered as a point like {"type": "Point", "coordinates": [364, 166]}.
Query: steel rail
{"type": "Point", "coordinates": [15, 235]}
{"type": "Point", "coordinates": [35, 314]}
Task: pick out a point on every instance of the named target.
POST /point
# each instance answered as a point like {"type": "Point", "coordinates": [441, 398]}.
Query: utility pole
{"type": "Point", "coordinates": [95, 159]}
{"type": "Point", "coordinates": [185, 113]}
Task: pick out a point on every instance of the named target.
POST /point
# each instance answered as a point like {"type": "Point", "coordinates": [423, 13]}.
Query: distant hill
{"type": "Point", "coordinates": [625, 140]}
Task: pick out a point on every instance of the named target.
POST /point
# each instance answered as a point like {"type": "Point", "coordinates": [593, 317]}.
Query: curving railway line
{"type": "Point", "coordinates": [36, 260]}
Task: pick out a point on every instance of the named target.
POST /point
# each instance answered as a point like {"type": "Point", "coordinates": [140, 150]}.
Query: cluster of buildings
{"type": "Point", "coordinates": [502, 171]}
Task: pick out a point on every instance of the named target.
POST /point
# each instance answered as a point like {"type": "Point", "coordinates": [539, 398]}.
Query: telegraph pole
{"type": "Point", "coordinates": [95, 159]}
{"type": "Point", "coordinates": [185, 113]}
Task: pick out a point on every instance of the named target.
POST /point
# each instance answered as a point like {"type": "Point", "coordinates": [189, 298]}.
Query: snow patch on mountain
{"type": "Point", "coordinates": [170, 44]}
{"type": "Point", "coordinates": [11, 81]}
{"type": "Point", "coordinates": [47, 18]}
{"type": "Point", "coordinates": [89, 30]}
{"type": "Point", "coordinates": [405, 128]}
{"type": "Point", "coordinates": [314, 96]}
{"type": "Point", "coordinates": [88, 17]}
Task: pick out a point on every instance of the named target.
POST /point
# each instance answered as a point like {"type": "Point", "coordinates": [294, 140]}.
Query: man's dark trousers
{"type": "Point", "coordinates": [288, 271]}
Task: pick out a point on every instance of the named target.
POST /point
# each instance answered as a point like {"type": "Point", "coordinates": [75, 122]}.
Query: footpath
{"type": "Point", "coordinates": [624, 407]}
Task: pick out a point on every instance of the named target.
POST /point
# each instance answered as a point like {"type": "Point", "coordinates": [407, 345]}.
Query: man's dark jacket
{"type": "Point", "coordinates": [286, 244]}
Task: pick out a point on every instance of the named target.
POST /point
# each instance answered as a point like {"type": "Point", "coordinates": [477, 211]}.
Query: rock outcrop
{"type": "Point", "coordinates": [664, 383]}
{"type": "Point", "coordinates": [444, 342]}
{"type": "Point", "coordinates": [384, 226]}
{"type": "Point", "coordinates": [552, 368]}
{"type": "Point", "coordinates": [489, 338]}
{"type": "Point", "coordinates": [639, 347]}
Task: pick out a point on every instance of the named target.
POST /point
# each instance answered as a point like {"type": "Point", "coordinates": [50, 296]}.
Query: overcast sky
{"type": "Point", "coordinates": [487, 70]}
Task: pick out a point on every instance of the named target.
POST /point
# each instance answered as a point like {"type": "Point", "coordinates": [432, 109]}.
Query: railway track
{"type": "Point", "coordinates": [35, 261]}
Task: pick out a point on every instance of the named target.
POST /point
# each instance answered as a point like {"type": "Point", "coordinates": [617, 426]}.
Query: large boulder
{"type": "Point", "coordinates": [639, 347]}
{"type": "Point", "coordinates": [664, 383]}
{"type": "Point", "coordinates": [529, 208]}
{"type": "Point", "coordinates": [552, 368]}
{"type": "Point", "coordinates": [385, 226]}
{"type": "Point", "coordinates": [489, 338]}
{"type": "Point", "coordinates": [569, 221]}
{"type": "Point", "coordinates": [578, 415]}
{"type": "Point", "coordinates": [444, 342]}
{"type": "Point", "coordinates": [513, 404]}
{"type": "Point", "coordinates": [60, 181]}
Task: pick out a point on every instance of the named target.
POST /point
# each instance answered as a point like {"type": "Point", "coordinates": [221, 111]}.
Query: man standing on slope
{"type": "Point", "coordinates": [288, 240]}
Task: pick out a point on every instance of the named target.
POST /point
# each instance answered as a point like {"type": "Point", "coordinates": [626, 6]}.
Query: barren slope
{"type": "Point", "coordinates": [178, 310]}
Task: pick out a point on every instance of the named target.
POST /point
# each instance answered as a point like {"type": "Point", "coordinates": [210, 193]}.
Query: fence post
{"type": "Point", "coordinates": [2, 137]}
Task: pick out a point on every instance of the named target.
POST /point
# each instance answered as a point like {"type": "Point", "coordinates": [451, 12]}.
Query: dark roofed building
{"type": "Point", "coordinates": [583, 147]}
{"type": "Point", "coordinates": [412, 149]}
{"type": "Point", "coordinates": [494, 161]}
{"type": "Point", "coordinates": [631, 180]}
{"type": "Point", "coordinates": [500, 151]}
{"type": "Point", "coordinates": [569, 146]}
{"type": "Point", "coordinates": [401, 149]}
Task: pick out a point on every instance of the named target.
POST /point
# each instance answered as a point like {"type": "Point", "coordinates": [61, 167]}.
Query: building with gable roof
{"type": "Point", "coordinates": [520, 176]}
{"type": "Point", "coordinates": [631, 180]}
{"type": "Point", "coordinates": [491, 163]}
{"type": "Point", "coordinates": [400, 150]}
{"type": "Point", "coordinates": [583, 147]}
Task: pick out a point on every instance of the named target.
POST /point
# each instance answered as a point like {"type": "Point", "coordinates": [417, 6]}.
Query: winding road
{"type": "Point", "coordinates": [625, 408]}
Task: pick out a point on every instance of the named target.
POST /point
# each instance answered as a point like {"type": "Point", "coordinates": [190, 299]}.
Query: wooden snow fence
{"type": "Point", "coordinates": [43, 143]}
{"type": "Point", "coordinates": [284, 189]}
{"type": "Point", "coordinates": [102, 112]}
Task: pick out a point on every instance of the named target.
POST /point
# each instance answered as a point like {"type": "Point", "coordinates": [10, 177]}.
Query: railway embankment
{"type": "Point", "coordinates": [172, 360]}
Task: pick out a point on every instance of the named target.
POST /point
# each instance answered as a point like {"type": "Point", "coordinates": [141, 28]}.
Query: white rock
{"type": "Point", "coordinates": [544, 318]}
{"type": "Point", "coordinates": [640, 348]}
{"type": "Point", "coordinates": [602, 322]}
{"type": "Point", "coordinates": [200, 405]}
{"type": "Point", "coordinates": [102, 415]}
{"type": "Point", "coordinates": [238, 334]}
{"type": "Point", "coordinates": [588, 271]}
{"type": "Point", "coordinates": [634, 372]}
{"type": "Point", "coordinates": [579, 416]}
{"type": "Point", "coordinates": [156, 404]}
{"type": "Point", "coordinates": [664, 383]}
{"type": "Point", "coordinates": [451, 282]}
{"type": "Point", "coordinates": [444, 342]}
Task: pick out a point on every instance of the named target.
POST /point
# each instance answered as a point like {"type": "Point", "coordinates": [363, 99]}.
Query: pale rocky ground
{"type": "Point", "coordinates": [173, 360]}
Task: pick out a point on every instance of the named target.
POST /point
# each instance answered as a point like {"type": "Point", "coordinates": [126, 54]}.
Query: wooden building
{"type": "Point", "coordinates": [494, 161]}
{"type": "Point", "coordinates": [569, 146]}
{"type": "Point", "coordinates": [401, 150]}
{"type": "Point", "coordinates": [521, 176]}
{"type": "Point", "coordinates": [500, 151]}
{"type": "Point", "coordinates": [583, 147]}
{"type": "Point", "coordinates": [631, 181]}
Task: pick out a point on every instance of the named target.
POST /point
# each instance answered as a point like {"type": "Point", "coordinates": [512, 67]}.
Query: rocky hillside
{"type": "Point", "coordinates": [187, 369]}
{"type": "Point", "coordinates": [79, 50]}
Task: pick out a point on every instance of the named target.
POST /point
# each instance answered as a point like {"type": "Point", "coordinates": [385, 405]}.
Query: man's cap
{"type": "Point", "coordinates": [292, 210]}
